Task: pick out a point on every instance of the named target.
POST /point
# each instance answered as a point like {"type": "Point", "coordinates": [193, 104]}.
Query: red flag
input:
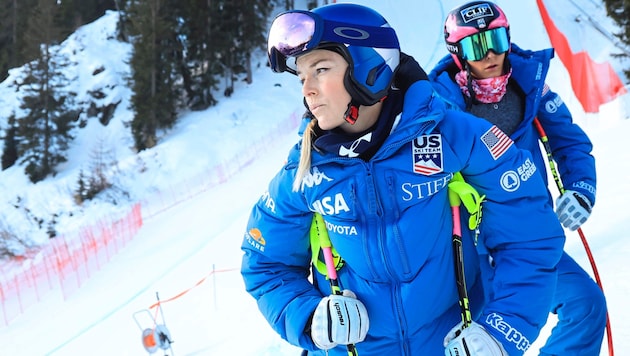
{"type": "Point", "coordinates": [593, 83]}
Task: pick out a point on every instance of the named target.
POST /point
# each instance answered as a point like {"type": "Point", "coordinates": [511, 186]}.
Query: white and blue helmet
{"type": "Point", "coordinates": [361, 35]}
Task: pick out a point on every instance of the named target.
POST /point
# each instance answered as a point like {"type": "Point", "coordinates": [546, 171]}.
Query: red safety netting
{"type": "Point", "coordinates": [66, 262]}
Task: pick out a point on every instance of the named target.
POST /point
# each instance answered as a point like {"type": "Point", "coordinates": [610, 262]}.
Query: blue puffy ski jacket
{"type": "Point", "coordinates": [570, 146]}
{"type": "Point", "coordinates": [390, 220]}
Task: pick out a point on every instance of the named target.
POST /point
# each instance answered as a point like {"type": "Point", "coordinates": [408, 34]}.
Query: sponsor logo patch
{"type": "Point", "coordinates": [553, 104]}
{"type": "Point", "coordinates": [314, 178]}
{"type": "Point", "coordinates": [526, 170]}
{"type": "Point", "coordinates": [425, 189]}
{"type": "Point", "coordinates": [351, 152]}
{"type": "Point", "coordinates": [510, 333]}
{"type": "Point", "coordinates": [476, 12]}
{"type": "Point", "coordinates": [510, 181]}
{"type": "Point", "coordinates": [331, 205]}
{"type": "Point", "coordinates": [585, 186]}
{"type": "Point", "coordinates": [268, 202]}
{"type": "Point", "coordinates": [255, 238]}
{"type": "Point", "coordinates": [342, 229]}
{"type": "Point", "coordinates": [427, 154]}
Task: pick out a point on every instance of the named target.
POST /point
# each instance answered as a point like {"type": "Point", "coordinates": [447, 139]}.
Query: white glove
{"type": "Point", "coordinates": [472, 341]}
{"type": "Point", "coordinates": [339, 320]}
{"type": "Point", "coordinates": [573, 209]}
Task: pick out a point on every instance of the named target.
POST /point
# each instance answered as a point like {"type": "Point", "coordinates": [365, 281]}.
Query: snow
{"type": "Point", "coordinates": [198, 185]}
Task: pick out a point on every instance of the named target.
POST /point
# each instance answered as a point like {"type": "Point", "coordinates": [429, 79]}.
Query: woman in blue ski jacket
{"type": "Point", "coordinates": [377, 169]}
{"type": "Point", "coordinates": [510, 91]}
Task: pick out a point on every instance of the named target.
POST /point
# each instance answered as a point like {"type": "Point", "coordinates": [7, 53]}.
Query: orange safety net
{"type": "Point", "coordinates": [593, 83]}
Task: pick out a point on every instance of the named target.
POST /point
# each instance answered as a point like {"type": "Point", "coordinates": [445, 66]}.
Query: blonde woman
{"type": "Point", "coordinates": [377, 169]}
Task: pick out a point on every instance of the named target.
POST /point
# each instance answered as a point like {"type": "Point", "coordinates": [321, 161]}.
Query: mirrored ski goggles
{"type": "Point", "coordinates": [475, 47]}
{"type": "Point", "coordinates": [295, 32]}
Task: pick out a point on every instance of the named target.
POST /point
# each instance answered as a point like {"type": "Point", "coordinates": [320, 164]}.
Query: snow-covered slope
{"type": "Point", "coordinates": [190, 252]}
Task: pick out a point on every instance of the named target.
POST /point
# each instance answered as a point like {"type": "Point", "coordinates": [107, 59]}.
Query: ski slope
{"type": "Point", "coordinates": [189, 255]}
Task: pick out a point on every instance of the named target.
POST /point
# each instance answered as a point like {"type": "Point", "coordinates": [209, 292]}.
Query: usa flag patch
{"type": "Point", "coordinates": [496, 141]}
{"type": "Point", "coordinates": [545, 90]}
{"type": "Point", "coordinates": [427, 154]}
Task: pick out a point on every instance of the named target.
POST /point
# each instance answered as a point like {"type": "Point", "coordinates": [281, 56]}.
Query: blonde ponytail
{"type": "Point", "coordinates": [305, 154]}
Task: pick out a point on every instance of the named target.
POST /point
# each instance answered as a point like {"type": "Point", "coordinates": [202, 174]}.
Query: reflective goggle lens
{"type": "Point", "coordinates": [290, 33]}
{"type": "Point", "coordinates": [475, 47]}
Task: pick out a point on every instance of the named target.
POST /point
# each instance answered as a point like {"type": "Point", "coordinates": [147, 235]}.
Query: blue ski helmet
{"type": "Point", "coordinates": [361, 35]}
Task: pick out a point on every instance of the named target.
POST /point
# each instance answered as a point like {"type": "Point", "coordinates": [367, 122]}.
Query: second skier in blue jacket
{"type": "Point", "coordinates": [510, 91]}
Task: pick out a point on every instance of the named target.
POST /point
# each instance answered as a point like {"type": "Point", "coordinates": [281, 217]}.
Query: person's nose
{"type": "Point", "coordinates": [490, 54]}
{"type": "Point", "coordinates": [309, 86]}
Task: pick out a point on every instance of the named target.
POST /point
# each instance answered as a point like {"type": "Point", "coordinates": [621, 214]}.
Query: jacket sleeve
{"type": "Point", "coordinates": [276, 261]}
{"type": "Point", "coordinates": [571, 147]}
{"type": "Point", "coordinates": [521, 238]}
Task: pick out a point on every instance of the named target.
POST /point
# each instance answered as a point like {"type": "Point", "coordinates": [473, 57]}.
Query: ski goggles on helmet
{"type": "Point", "coordinates": [295, 32]}
{"type": "Point", "coordinates": [475, 47]}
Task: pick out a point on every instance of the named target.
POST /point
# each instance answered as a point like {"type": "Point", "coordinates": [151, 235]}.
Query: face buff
{"type": "Point", "coordinates": [489, 90]}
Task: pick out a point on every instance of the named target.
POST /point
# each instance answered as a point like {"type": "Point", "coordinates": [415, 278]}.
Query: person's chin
{"type": "Point", "coordinates": [494, 71]}
{"type": "Point", "coordinates": [325, 124]}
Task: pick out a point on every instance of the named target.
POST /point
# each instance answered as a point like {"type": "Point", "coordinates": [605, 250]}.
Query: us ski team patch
{"type": "Point", "coordinates": [496, 141]}
{"type": "Point", "coordinates": [427, 154]}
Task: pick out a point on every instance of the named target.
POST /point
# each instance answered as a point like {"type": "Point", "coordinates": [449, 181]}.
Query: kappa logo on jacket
{"type": "Point", "coordinates": [511, 334]}
{"type": "Point", "coordinates": [427, 154]}
{"type": "Point", "coordinates": [314, 178]}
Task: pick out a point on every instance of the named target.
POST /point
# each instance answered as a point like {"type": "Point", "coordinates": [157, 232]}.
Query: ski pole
{"type": "Point", "coordinates": [458, 255]}
{"type": "Point", "coordinates": [325, 244]}
{"type": "Point", "coordinates": [556, 177]}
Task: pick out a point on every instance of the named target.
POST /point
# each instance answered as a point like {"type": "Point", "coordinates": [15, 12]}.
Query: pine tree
{"type": "Point", "coordinates": [227, 18]}
{"type": "Point", "coordinates": [44, 131]}
{"type": "Point", "coordinates": [13, 19]}
{"type": "Point", "coordinates": [619, 11]}
{"type": "Point", "coordinates": [9, 152]}
{"type": "Point", "coordinates": [238, 30]}
{"type": "Point", "coordinates": [154, 81]}
{"type": "Point", "coordinates": [197, 66]}
{"type": "Point", "coordinates": [253, 30]}
{"type": "Point", "coordinates": [75, 13]}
